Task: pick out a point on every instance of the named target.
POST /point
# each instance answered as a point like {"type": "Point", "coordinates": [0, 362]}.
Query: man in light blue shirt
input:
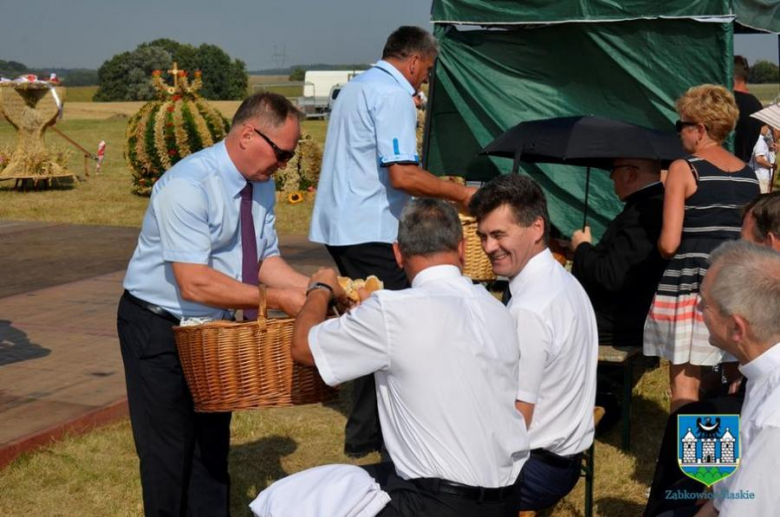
{"type": "Point", "coordinates": [207, 239]}
{"type": "Point", "coordinates": [370, 170]}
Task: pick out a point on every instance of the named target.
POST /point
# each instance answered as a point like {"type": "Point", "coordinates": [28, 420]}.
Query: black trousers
{"type": "Point", "coordinates": [363, 433]}
{"type": "Point", "coordinates": [409, 500]}
{"type": "Point", "coordinates": [183, 455]}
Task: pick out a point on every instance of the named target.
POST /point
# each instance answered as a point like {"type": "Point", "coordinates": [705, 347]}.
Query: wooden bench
{"type": "Point", "coordinates": [623, 357]}
{"type": "Point", "coordinates": [588, 468]}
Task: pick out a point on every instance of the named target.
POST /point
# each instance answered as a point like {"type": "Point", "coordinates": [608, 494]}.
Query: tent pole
{"type": "Point", "coordinates": [587, 191]}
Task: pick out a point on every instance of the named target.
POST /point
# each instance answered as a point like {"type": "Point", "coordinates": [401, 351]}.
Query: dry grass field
{"type": "Point", "coordinates": [766, 93]}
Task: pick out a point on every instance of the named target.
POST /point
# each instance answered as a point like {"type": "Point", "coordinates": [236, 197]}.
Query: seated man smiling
{"type": "Point", "coordinates": [445, 358]}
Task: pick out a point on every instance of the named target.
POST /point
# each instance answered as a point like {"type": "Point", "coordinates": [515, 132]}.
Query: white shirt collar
{"type": "Point", "coordinates": [763, 364]}
{"type": "Point", "coordinates": [433, 273]}
{"type": "Point", "coordinates": [539, 261]}
{"type": "Point", "coordinates": [397, 75]}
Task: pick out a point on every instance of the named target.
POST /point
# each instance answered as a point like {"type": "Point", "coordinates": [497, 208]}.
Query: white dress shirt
{"type": "Point", "coordinates": [445, 361]}
{"type": "Point", "coordinates": [759, 436]}
{"type": "Point", "coordinates": [556, 329]}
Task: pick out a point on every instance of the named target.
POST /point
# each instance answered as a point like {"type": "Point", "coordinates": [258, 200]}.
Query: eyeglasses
{"type": "Point", "coordinates": [681, 124]}
{"type": "Point", "coordinates": [622, 166]}
{"type": "Point", "coordinates": [282, 156]}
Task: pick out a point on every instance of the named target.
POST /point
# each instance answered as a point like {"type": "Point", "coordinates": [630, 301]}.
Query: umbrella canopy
{"type": "Point", "coordinates": [587, 141]}
{"type": "Point", "coordinates": [769, 115]}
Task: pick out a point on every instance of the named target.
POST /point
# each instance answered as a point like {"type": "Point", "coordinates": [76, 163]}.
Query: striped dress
{"type": "Point", "coordinates": [674, 328]}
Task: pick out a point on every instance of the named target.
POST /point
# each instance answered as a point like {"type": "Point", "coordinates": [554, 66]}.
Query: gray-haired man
{"type": "Point", "coordinates": [445, 359]}
{"type": "Point", "coordinates": [740, 302]}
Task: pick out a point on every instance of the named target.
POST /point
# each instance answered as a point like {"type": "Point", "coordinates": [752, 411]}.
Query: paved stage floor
{"type": "Point", "coordinates": [60, 366]}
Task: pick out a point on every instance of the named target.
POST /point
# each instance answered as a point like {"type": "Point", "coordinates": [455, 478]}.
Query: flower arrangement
{"type": "Point", "coordinates": [174, 125]}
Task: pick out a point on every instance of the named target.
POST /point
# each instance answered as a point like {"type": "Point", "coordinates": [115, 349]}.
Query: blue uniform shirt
{"type": "Point", "coordinates": [373, 125]}
{"type": "Point", "coordinates": [193, 217]}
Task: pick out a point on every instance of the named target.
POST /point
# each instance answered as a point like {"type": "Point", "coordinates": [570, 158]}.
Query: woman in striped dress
{"type": "Point", "coordinates": [702, 208]}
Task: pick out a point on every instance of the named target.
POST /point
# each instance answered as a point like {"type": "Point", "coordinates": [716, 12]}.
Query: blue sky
{"type": "Point", "coordinates": [264, 33]}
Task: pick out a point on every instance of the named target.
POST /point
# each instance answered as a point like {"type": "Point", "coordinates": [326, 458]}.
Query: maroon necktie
{"type": "Point", "coordinates": [248, 245]}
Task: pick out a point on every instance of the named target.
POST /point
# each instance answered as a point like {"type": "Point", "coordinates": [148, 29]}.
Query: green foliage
{"type": "Point", "coordinates": [125, 76]}
{"type": "Point", "coordinates": [80, 77]}
{"type": "Point", "coordinates": [12, 69]}
{"type": "Point", "coordinates": [764, 72]}
{"type": "Point", "coordinates": [298, 74]}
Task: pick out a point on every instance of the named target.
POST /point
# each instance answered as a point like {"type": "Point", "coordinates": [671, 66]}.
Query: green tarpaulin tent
{"type": "Point", "coordinates": [529, 60]}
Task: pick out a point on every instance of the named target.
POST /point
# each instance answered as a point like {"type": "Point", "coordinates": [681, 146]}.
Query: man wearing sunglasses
{"type": "Point", "coordinates": [621, 272]}
{"type": "Point", "coordinates": [370, 170]}
{"type": "Point", "coordinates": [207, 239]}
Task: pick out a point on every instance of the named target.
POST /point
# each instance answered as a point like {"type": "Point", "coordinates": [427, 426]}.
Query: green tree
{"type": "Point", "coordinates": [127, 76]}
{"type": "Point", "coordinates": [223, 78]}
{"type": "Point", "coordinates": [764, 72]}
{"type": "Point", "coordinates": [298, 74]}
{"type": "Point", "coordinates": [12, 69]}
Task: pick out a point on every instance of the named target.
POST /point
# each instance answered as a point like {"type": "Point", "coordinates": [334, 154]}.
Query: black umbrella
{"type": "Point", "coordinates": [586, 141]}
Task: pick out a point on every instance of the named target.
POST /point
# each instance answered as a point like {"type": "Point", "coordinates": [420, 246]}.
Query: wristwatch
{"type": "Point", "coordinates": [320, 285]}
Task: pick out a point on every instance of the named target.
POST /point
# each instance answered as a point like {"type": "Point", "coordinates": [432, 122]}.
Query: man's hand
{"type": "Point", "coordinates": [468, 192]}
{"type": "Point", "coordinates": [328, 276]}
{"type": "Point", "coordinates": [288, 300]}
{"type": "Point", "coordinates": [580, 236]}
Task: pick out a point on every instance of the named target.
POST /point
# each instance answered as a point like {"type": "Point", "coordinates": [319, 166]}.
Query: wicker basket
{"type": "Point", "coordinates": [477, 266]}
{"type": "Point", "coordinates": [230, 366]}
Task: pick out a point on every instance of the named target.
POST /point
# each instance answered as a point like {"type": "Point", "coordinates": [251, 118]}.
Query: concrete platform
{"type": "Point", "coordinates": [60, 366]}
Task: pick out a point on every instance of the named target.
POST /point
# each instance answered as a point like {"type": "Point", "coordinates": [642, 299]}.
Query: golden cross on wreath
{"type": "Point", "coordinates": [175, 72]}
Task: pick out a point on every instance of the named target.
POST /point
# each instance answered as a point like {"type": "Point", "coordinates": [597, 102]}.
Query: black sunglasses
{"type": "Point", "coordinates": [282, 156]}
{"type": "Point", "coordinates": [680, 125]}
{"type": "Point", "coordinates": [623, 166]}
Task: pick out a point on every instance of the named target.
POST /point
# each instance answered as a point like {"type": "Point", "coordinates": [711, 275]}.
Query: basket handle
{"type": "Point", "coordinates": [262, 308]}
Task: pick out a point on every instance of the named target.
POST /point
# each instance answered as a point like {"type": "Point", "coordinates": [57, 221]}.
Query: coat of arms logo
{"type": "Point", "coordinates": [708, 447]}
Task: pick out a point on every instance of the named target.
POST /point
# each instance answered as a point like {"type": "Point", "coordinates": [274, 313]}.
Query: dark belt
{"type": "Point", "coordinates": [555, 460]}
{"type": "Point", "coordinates": [154, 309]}
{"type": "Point", "coordinates": [474, 493]}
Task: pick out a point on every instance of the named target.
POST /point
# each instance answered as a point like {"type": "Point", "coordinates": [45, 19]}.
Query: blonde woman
{"type": "Point", "coordinates": [704, 196]}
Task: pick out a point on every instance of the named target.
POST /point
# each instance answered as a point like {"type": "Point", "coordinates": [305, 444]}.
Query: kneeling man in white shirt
{"type": "Point", "coordinates": [556, 329]}
{"type": "Point", "coordinates": [445, 359]}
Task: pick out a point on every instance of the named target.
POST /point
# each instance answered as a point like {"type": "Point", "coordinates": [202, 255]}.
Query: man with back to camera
{"type": "Point", "coordinates": [370, 169]}
{"type": "Point", "coordinates": [748, 128]}
{"type": "Point", "coordinates": [445, 358]}
{"type": "Point", "coordinates": [207, 238]}
{"type": "Point", "coordinates": [557, 335]}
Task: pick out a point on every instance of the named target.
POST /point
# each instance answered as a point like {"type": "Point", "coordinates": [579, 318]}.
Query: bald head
{"type": "Point", "coordinates": [631, 174]}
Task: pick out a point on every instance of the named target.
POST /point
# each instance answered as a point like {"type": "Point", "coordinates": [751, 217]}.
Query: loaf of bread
{"type": "Point", "coordinates": [351, 287]}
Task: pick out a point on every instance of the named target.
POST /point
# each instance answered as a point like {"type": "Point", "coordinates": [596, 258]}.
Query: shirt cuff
{"type": "Point", "coordinates": [527, 396]}
{"type": "Point", "coordinates": [326, 372]}
{"type": "Point", "coordinates": [188, 257]}
{"type": "Point", "coordinates": [386, 161]}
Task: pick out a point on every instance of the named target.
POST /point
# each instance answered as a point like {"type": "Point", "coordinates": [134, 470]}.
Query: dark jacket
{"type": "Point", "coordinates": [621, 273]}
